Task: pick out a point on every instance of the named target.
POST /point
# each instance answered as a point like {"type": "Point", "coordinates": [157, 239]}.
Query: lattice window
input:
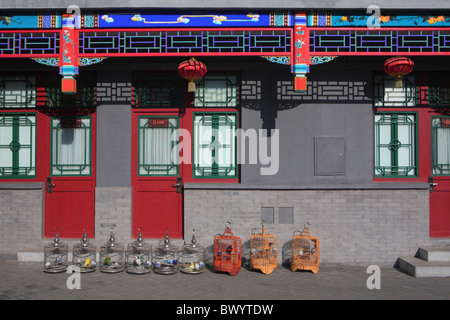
{"type": "Point", "coordinates": [395, 137]}
{"type": "Point", "coordinates": [157, 90]}
{"type": "Point", "coordinates": [217, 91]}
{"type": "Point", "coordinates": [86, 96]}
{"type": "Point", "coordinates": [175, 42]}
{"type": "Point", "coordinates": [17, 146]}
{"type": "Point", "coordinates": [215, 145]}
{"type": "Point", "coordinates": [29, 43]}
{"type": "Point", "coordinates": [71, 146]}
{"type": "Point", "coordinates": [440, 144]}
{"type": "Point", "coordinates": [438, 90]}
{"type": "Point", "coordinates": [387, 95]}
{"type": "Point", "coordinates": [17, 92]}
{"type": "Point", "coordinates": [158, 146]}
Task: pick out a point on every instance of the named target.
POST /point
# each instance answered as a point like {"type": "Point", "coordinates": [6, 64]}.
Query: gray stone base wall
{"type": "Point", "coordinates": [113, 210]}
{"type": "Point", "coordinates": [358, 227]}
{"type": "Point", "coordinates": [20, 219]}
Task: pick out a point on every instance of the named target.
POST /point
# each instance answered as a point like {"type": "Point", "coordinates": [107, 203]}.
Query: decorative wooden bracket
{"type": "Point", "coordinates": [301, 58]}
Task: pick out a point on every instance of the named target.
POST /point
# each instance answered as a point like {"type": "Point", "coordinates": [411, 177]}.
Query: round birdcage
{"type": "Point", "coordinates": [165, 258]}
{"type": "Point", "coordinates": [227, 253]}
{"type": "Point", "coordinates": [138, 256]}
{"type": "Point", "coordinates": [56, 256]}
{"type": "Point", "coordinates": [264, 252]}
{"type": "Point", "coordinates": [305, 252]}
{"type": "Point", "coordinates": [111, 256]}
{"type": "Point", "coordinates": [192, 257]}
{"type": "Point", "coordinates": [84, 255]}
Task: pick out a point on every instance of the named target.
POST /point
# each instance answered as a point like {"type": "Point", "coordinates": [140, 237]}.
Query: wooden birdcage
{"type": "Point", "coordinates": [227, 253]}
{"type": "Point", "coordinates": [305, 252]}
{"type": "Point", "coordinates": [264, 252]}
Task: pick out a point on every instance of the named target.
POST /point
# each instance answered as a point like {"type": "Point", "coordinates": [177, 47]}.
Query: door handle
{"type": "Point", "coordinates": [179, 185]}
{"type": "Point", "coordinates": [432, 183]}
{"type": "Point", "coordinates": [50, 185]}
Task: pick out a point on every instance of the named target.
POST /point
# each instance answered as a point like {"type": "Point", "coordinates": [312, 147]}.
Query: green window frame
{"type": "Point", "coordinates": [17, 92]}
{"type": "Point", "coordinates": [215, 145]}
{"type": "Point", "coordinates": [440, 145]}
{"type": "Point", "coordinates": [17, 145]}
{"type": "Point", "coordinates": [157, 148]}
{"type": "Point", "coordinates": [387, 95]}
{"type": "Point", "coordinates": [217, 90]}
{"type": "Point", "coordinates": [71, 146]}
{"type": "Point", "coordinates": [395, 141]}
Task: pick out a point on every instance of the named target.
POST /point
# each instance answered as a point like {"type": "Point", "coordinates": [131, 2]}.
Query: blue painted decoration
{"type": "Point", "coordinates": [41, 20]}
{"type": "Point", "coordinates": [221, 19]}
{"type": "Point", "coordinates": [323, 18]}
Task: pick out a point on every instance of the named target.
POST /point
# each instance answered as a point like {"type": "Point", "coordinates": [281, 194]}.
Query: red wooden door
{"type": "Point", "coordinates": [440, 207]}
{"type": "Point", "coordinates": [440, 179]}
{"type": "Point", "coordinates": [70, 185]}
{"type": "Point", "coordinates": [157, 176]}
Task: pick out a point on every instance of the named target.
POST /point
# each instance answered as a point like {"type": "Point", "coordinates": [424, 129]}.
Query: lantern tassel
{"type": "Point", "coordinates": [191, 86]}
{"type": "Point", "coordinates": [399, 82]}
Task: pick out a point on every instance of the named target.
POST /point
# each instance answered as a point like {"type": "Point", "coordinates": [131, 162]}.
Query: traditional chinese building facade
{"type": "Point", "coordinates": [294, 123]}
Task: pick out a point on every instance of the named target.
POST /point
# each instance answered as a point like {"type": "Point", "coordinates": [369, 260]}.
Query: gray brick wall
{"type": "Point", "coordinates": [113, 207]}
{"type": "Point", "coordinates": [358, 227]}
{"type": "Point", "coordinates": [20, 220]}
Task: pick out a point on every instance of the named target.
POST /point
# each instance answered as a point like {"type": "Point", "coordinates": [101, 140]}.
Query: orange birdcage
{"type": "Point", "coordinates": [227, 253]}
{"type": "Point", "coordinates": [263, 252]}
{"type": "Point", "coordinates": [305, 252]}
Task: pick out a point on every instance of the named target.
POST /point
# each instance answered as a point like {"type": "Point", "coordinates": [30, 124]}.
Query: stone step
{"type": "Point", "coordinates": [435, 253]}
{"type": "Point", "coordinates": [420, 268]}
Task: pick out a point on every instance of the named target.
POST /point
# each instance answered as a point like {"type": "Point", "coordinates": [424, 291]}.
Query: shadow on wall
{"type": "Point", "coordinates": [271, 96]}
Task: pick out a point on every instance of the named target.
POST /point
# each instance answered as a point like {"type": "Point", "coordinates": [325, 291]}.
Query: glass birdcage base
{"type": "Point", "coordinates": [138, 269]}
{"type": "Point", "coordinates": [112, 269]}
{"type": "Point", "coordinates": [192, 268]}
{"type": "Point", "coordinates": [55, 268]}
{"type": "Point", "coordinates": [165, 268]}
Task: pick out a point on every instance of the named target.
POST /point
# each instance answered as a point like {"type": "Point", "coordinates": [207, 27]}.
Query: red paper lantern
{"type": "Point", "coordinates": [192, 70]}
{"type": "Point", "coordinates": [398, 67]}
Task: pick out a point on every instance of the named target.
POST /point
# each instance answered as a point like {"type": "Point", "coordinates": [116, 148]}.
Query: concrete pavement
{"type": "Point", "coordinates": [333, 282]}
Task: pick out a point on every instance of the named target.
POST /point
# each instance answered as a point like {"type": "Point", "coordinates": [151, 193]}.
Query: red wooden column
{"type": "Point", "coordinates": [69, 54]}
{"type": "Point", "coordinates": [301, 59]}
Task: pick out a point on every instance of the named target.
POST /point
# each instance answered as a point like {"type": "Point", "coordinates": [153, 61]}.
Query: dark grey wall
{"type": "Point", "coordinates": [337, 106]}
{"type": "Point", "coordinates": [113, 132]}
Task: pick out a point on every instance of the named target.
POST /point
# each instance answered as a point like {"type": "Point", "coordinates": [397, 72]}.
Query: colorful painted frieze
{"type": "Point", "coordinates": [381, 18]}
{"type": "Point", "coordinates": [192, 19]}
{"type": "Point", "coordinates": [38, 20]}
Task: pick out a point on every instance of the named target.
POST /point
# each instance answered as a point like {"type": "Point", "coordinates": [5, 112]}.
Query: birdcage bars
{"type": "Point", "coordinates": [56, 256]}
{"type": "Point", "coordinates": [264, 252]}
{"type": "Point", "coordinates": [112, 256]}
{"type": "Point", "coordinates": [165, 257]}
{"type": "Point", "coordinates": [138, 256]}
{"type": "Point", "coordinates": [227, 253]}
{"type": "Point", "coordinates": [192, 257]}
{"type": "Point", "coordinates": [84, 255]}
{"type": "Point", "coordinates": [305, 252]}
